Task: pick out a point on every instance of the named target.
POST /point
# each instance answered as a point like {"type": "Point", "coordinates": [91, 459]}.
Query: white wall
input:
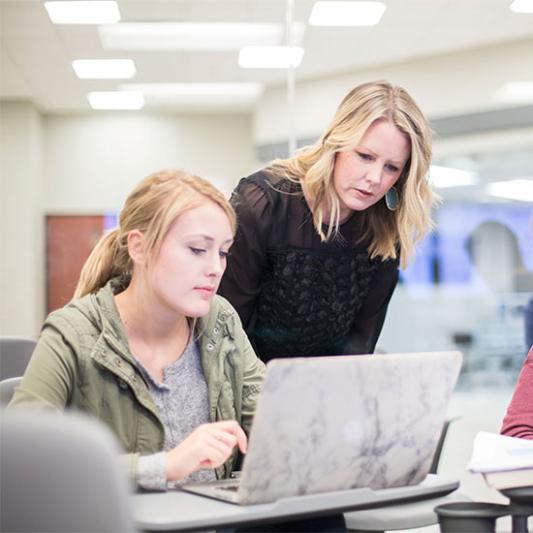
{"type": "Point", "coordinates": [85, 164]}
{"type": "Point", "coordinates": [92, 161]}
{"type": "Point", "coordinates": [21, 231]}
{"type": "Point", "coordinates": [444, 85]}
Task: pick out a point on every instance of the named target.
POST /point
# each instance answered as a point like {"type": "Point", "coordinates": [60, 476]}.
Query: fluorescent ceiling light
{"type": "Point", "coordinates": [102, 69]}
{"type": "Point", "coordinates": [522, 6]}
{"type": "Point", "coordinates": [116, 100]}
{"type": "Point", "coordinates": [270, 56]}
{"type": "Point", "coordinates": [193, 36]}
{"type": "Point", "coordinates": [519, 189]}
{"type": "Point", "coordinates": [197, 94]}
{"type": "Point", "coordinates": [515, 91]}
{"type": "Point", "coordinates": [211, 90]}
{"type": "Point", "coordinates": [443, 177]}
{"type": "Point", "coordinates": [80, 12]}
{"type": "Point", "coordinates": [334, 13]}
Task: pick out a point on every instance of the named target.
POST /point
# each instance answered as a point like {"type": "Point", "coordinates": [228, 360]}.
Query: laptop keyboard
{"type": "Point", "coordinates": [231, 488]}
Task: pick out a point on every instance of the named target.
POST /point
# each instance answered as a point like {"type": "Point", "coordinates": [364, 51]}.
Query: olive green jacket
{"type": "Point", "coordinates": [82, 361]}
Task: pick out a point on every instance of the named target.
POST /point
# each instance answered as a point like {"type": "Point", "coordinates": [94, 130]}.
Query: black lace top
{"type": "Point", "coordinates": [297, 296]}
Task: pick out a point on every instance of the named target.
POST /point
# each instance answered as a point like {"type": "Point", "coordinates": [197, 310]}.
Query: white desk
{"type": "Point", "coordinates": [181, 511]}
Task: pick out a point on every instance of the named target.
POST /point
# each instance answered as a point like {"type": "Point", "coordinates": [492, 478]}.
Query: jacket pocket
{"type": "Point", "coordinates": [110, 399]}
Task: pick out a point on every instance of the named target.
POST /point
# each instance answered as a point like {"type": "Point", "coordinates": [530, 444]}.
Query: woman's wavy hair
{"type": "Point", "coordinates": [387, 231]}
{"type": "Point", "coordinates": [151, 208]}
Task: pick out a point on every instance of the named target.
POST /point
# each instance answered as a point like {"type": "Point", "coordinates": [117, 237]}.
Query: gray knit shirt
{"type": "Point", "coordinates": [182, 401]}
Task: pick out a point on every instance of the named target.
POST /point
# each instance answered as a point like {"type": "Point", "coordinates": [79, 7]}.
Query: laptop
{"type": "Point", "coordinates": [334, 423]}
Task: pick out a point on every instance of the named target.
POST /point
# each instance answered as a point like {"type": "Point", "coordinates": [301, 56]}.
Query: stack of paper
{"type": "Point", "coordinates": [505, 462]}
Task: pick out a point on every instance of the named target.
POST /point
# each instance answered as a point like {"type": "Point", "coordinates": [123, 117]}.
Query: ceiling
{"type": "Point", "coordinates": [36, 55]}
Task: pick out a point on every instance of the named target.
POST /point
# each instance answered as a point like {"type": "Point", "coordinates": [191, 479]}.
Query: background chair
{"type": "Point", "coordinates": [7, 388]}
{"type": "Point", "coordinates": [60, 473]}
{"type": "Point", "coordinates": [408, 515]}
{"type": "Point", "coordinates": [481, 516]}
{"type": "Point", "coordinates": [15, 352]}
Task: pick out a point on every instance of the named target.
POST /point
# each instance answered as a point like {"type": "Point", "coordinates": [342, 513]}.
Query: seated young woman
{"type": "Point", "coordinates": [147, 347]}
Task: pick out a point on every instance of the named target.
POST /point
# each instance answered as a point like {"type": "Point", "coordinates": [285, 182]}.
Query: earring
{"type": "Point", "coordinates": [392, 200]}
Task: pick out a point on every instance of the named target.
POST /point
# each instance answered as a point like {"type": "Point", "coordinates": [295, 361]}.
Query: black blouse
{"type": "Point", "coordinates": [296, 295]}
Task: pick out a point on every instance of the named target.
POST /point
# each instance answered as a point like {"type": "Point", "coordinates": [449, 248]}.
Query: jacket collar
{"type": "Point", "coordinates": [113, 331]}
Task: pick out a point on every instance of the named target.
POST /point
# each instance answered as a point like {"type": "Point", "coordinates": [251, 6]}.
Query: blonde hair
{"type": "Point", "coordinates": [388, 231]}
{"type": "Point", "coordinates": [151, 208]}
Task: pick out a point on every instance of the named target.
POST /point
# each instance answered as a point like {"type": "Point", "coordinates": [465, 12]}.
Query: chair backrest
{"type": "Point", "coordinates": [7, 389]}
{"type": "Point", "coordinates": [440, 445]}
{"type": "Point", "coordinates": [15, 352]}
{"type": "Point", "coordinates": [60, 472]}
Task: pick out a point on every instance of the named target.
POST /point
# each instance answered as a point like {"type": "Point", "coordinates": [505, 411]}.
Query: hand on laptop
{"type": "Point", "coordinates": [208, 446]}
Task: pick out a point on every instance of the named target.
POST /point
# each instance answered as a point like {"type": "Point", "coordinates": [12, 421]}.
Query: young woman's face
{"type": "Point", "coordinates": [186, 273]}
{"type": "Point", "coordinates": [362, 176]}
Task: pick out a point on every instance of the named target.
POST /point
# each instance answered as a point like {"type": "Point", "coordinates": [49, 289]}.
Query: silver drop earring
{"type": "Point", "coordinates": [392, 200]}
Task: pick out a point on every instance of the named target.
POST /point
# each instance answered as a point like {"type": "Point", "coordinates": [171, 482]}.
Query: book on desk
{"type": "Point", "coordinates": [505, 462]}
{"type": "Point", "coordinates": [510, 479]}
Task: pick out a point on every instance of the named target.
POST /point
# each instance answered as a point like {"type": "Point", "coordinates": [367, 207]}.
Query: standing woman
{"type": "Point", "coordinates": [146, 346]}
{"type": "Point", "coordinates": [321, 235]}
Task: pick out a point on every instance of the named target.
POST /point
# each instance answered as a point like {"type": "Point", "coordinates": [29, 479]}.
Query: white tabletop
{"type": "Point", "coordinates": [181, 511]}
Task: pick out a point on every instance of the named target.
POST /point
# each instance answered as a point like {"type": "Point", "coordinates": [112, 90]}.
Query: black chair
{"type": "Point", "coordinates": [440, 444]}
{"type": "Point", "coordinates": [15, 353]}
{"type": "Point", "coordinates": [470, 517]}
{"type": "Point", "coordinates": [521, 501]}
{"type": "Point", "coordinates": [7, 389]}
{"type": "Point", "coordinates": [480, 517]}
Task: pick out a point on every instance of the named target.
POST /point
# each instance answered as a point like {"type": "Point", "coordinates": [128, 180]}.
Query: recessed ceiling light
{"type": "Point", "coordinates": [346, 13]}
{"type": "Point", "coordinates": [193, 35]}
{"type": "Point", "coordinates": [518, 189]}
{"type": "Point", "coordinates": [116, 100]}
{"type": "Point", "coordinates": [270, 56]}
{"type": "Point", "coordinates": [522, 6]}
{"type": "Point", "coordinates": [83, 12]}
{"type": "Point", "coordinates": [101, 69]}
{"type": "Point", "coordinates": [515, 91]}
{"type": "Point", "coordinates": [198, 94]}
{"type": "Point", "coordinates": [443, 177]}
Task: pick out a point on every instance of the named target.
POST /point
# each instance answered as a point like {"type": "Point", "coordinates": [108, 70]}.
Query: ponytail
{"type": "Point", "coordinates": [108, 259]}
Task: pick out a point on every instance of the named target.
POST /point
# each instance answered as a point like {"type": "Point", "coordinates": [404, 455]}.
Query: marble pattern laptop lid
{"type": "Point", "coordinates": [332, 423]}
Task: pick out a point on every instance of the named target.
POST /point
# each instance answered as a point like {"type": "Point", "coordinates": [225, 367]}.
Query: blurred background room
{"type": "Point", "coordinates": [220, 87]}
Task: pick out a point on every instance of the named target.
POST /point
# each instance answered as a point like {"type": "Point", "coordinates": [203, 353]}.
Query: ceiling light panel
{"type": "Point", "coordinates": [515, 92]}
{"type": "Point", "coordinates": [193, 36]}
{"type": "Point", "coordinates": [444, 177]}
{"type": "Point", "coordinates": [518, 189]}
{"type": "Point", "coordinates": [197, 94]}
{"type": "Point", "coordinates": [522, 6]}
{"type": "Point", "coordinates": [83, 12]}
{"type": "Point", "coordinates": [104, 69]}
{"type": "Point", "coordinates": [325, 13]}
{"type": "Point", "coordinates": [270, 56]}
{"type": "Point", "coordinates": [116, 100]}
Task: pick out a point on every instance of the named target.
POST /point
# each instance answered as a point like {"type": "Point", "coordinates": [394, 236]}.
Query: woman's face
{"type": "Point", "coordinates": [186, 273]}
{"type": "Point", "coordinates": [362, 176]}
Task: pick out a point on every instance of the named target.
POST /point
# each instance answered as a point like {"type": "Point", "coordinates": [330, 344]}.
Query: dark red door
{"type": "Point", "coordinates": [69, 241]}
